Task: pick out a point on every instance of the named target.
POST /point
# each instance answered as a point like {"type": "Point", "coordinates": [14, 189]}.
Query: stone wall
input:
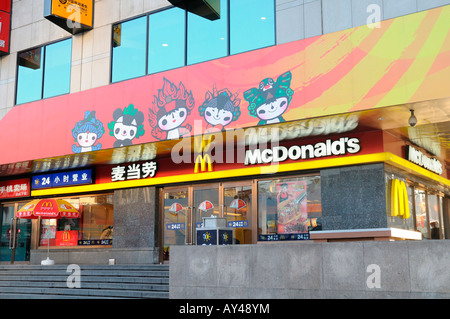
{"type": "Point", "coordinates": [136, 221]}
{"type": "Point", "coordinates": [361, 187]}
{"type": "Point", "coordinates": [407, 269]}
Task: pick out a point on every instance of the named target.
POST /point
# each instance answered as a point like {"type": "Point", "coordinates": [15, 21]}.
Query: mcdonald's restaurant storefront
{"type": "Point", "coordinates": [304, 141]}
{"type": "Point", "coordinates": [338, 187]}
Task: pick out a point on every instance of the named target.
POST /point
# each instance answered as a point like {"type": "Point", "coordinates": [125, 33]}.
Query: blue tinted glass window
{"type": "Point", "coordinates": [29, 76]}
{"type": "Point", "coordinates": [207, 39]}
{"type": "Point", "coordinates": [251, 25]}
{"type": "Point", "coordinates": [129, 49]}
{"type": "Point", "coordinates": [58, 58]}
{"type": "Point", "coordinates": [166, 40]}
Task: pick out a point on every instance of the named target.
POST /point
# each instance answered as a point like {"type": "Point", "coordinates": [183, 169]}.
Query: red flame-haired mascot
{"type": "Point", "coordinates": [169, 111]}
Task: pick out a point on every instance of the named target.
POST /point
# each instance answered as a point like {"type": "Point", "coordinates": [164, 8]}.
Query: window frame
{"type": "Point", "coordinates": [72, 196]}
{"type": "Point", "coordinates": [186, 41]}
{"type": "Point", "coordinates": [43, 48]}
{"type": "Point", "coordinates": [293, 175]}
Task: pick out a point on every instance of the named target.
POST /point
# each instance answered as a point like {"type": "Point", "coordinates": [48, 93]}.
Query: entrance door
{"type": "Point", "coordinates": [176, 212]}
{"type": "Point", "coordinates": [183, 210]}
{"type": "Point", "coordinates": [15, 235]}
{"type": "Point", "coordinates": [237, 209]}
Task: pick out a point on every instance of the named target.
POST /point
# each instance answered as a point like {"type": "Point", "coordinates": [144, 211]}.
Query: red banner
{"type": "Point", "coordinates": [5, 26]}
{"type": "Point", "coordinates": [5, 5]}
{"type": "Point", "coordinates": [15, 188]}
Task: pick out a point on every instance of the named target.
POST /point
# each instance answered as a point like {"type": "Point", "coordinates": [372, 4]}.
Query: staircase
{"type": "Point", "coordinates": [96, 281]}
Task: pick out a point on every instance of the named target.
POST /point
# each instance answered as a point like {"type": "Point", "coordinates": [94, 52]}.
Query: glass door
{"type": "Point", "coordinates": [206, 203]}
{"type": "Point", "coordinates": [15, 235]}
{"type": "Point", "coordinates": [237, 209]}
{"type": "Point", "coordinates": [176, 210]}
{"type": "Point", "coordinates": [183, 210]}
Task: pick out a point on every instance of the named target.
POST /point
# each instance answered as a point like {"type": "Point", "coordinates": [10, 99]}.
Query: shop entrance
{"type": "Point", "coordinates": [183, 209]}
{"type": "Point", "coordinates": [15, 235]}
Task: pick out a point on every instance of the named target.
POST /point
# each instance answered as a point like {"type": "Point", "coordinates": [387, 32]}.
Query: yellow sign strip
{"type": "Point", "coordinates": [252, 171]}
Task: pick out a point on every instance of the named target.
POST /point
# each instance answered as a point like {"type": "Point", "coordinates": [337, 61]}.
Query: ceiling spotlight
{"type": "Point", "coordinates": [412, 119]}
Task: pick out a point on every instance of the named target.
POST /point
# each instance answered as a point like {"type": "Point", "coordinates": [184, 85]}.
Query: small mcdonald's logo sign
{"type": "Point", "coordinates": [203, 159]}
{"type": "Point", "coordinates": [399, 199]}
{"type": "Point", "coordinates": [66, 236]}
{"type": "Point", "coordinates": [47, 204]}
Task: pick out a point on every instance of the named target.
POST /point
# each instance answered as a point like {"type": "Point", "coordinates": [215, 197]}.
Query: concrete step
{"type": "Point", "coordinates": [96, 281]}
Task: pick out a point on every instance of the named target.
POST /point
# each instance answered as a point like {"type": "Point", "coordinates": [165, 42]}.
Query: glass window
{"type": "Point", "coordinates": [44, 72]}
{"type": "Point", "coordinates": [421, 212]}
{"type": "Point", "coordinates": [252, 25]}
{"type": "Point", "coordinates": [129, 49]}
{"type": "Point", "coordinates": [238, 209]}
{"type": "Point", "coordinates": [289, 208]}
{"type": "Point", "coordinates": [166, 45]}
{"type": "Point", "coordinates": [207, 39]}
{"type": "Point", "coordinates": [58, 58]}
{"type": "Point", "coordinates": [435, 223]}
{"type": "Point", "coordinates": [176, 209]}
{"type": "Point", "coordinates": [206, 203]}
{"type": "Point", "coordinates": [30, 75]}
{"type": "Point", "coordinates": [94, 227]}
{"type": "Point", "coordinates": [176, 38]}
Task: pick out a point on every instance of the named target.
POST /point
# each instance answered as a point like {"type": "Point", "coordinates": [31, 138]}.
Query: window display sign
{"type": "Point", "coordinates": [66, 238]}
{"type": "Point", "coordinates": [74, 16]}
{"type": "Point", "coordinates": [80, 177]}
{"type": "Point", "coordinates": [291, 207]}
{"type": "Point", "coordinates": [5, 26]}
{"type": "Point", "coordinates": [15, 188]}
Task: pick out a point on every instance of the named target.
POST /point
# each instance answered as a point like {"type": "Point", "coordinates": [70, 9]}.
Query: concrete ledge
{"type": "Point", "coordinates": [97, 256]}
{"type": "Point", "coordinates": [378, 234]}
{"type": "Point", "coordinates": [358, 269]}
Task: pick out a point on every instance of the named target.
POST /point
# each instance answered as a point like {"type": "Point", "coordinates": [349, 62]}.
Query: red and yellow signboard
{"type": "Point", "coordinates": [66, 238]}
{"type": "Point", "coordinates": [5, 26]}
{"type": "Point", "coordinates": [73, 16]}
{"type": "Point", "coordinates": [15, 188]}
{"type": "Point", "coordinates": [404, 61]}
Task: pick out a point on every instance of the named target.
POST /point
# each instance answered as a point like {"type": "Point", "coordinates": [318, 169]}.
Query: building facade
{"type": "Point", "coordinates": [284, 120]}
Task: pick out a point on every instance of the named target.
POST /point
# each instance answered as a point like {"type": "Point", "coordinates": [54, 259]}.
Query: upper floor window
{"type": "Point", "coordinates": [44, 72]}
{"type": "Point", "coordinates": [174, 38]}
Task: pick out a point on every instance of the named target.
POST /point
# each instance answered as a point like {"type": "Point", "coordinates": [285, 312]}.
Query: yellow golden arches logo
{"type": "Point", "coordinates": [47, 204]}
{"type": "Point", "coordinates": [203, 158]}
{"type": "Point", "coordinates": [202, 161]}
{"type": "Point", "coordinates": [399, 199]}
{"type": "Point", "coordinates": [66, 236]}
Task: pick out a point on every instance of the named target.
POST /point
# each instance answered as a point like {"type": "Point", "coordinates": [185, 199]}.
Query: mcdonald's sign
{"type": "Point", "coordinates": [202, 161]}
{"type": "Point", "coordinates": [399, 199]}
{"type": "Point", "coordinates": [66, 238]}
{"type": "Point", "coordinates": [47, 204]}
{"type": "Point", "coordinates": [202, 157]}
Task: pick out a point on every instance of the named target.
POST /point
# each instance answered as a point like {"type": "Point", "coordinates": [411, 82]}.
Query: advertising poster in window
{"type": "Point", "coordinates": [292, 207]}
{"type": "Point", "coordinates": [48, 232]}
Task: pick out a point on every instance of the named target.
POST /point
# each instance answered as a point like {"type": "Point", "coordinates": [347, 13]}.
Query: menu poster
{"type": "Point", "coordinates": [47, 232]}
{"type": "Point", "coordinates": [292, 213]}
